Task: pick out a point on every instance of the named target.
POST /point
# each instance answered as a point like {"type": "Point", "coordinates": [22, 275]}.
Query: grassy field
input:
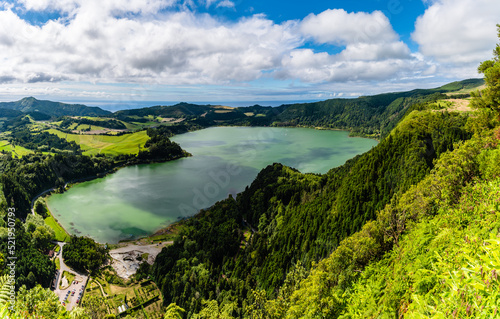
{"type": "Point", "coordinates": [61, 234]}
{"type": "Point", "coordinates": [105, 144]}
{"type": "Point", "coordinates": [17, 151]}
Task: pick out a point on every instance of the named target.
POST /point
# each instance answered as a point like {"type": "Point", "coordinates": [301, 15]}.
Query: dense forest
{"type": "Point", "coordinates": [84, 254]}
{"type": "Point", "coordinates": [108, 123]}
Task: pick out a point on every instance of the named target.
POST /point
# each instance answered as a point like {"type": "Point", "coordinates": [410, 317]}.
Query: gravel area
{"type": "Point", "coordinates": [126, 259]}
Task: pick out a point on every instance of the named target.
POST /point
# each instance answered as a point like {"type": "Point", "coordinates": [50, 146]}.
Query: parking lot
{"type": "Point", "coordinates": [71, 296]}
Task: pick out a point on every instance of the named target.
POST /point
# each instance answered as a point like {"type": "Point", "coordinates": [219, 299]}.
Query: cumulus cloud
{"type": "Point", "coordinates": [458, 33]}
{"type": "Point", "coordinates": [175, 47]}
{"type": "Point", "coordinates": [225, 4]}
{"type": "Point", "coordinates": [138, 41]}
{"type": "Point", "coordinates": [322, 67]}
{"type": "Point", "coordinates": [340, 27]}
{"type": "Point", "coordinates": [372, 49]}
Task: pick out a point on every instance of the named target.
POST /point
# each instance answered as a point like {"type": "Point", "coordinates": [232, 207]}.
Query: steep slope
{"type": "Point", "coordinates": [296, 217]}
{"type": "Point", "coordinates": [444, 262]}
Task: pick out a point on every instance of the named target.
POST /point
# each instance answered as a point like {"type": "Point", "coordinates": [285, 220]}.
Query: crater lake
{"type": "Point", "coordinates": [138, 200]}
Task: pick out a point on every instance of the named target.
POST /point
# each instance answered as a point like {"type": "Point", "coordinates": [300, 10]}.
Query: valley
{"type": "Point", "coordinates": [242, 200]}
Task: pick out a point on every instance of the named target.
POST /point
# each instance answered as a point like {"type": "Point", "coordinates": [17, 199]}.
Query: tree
{"type": "Point", "coordinates": [174, 312]}
{"type": "Point", "coordinates": [38, 302]}
{"type": "Point", "coordinates": [84, 254]}
{"type": "Point", "coordinates": [41, 210]}
{"type": "Point", "coordinates": [42, 237]}
{"type": "Point", "coordinates": [490, 96]}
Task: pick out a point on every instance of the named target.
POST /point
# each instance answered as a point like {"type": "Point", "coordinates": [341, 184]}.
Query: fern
{"type": "Point", "coordinates": [4, 290]}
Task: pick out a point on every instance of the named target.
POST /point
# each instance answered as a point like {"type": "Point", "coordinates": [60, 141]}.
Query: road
{"type": "Point", "coordinates": [80, 286]}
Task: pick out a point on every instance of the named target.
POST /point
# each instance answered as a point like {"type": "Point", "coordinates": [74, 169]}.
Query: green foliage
{"type": "Point", "coordinates": [446, 266]}
{"type": "Point", "coordinates": [4, 290]}
{"type": "Point", "coordinates": [29, 259]}
{"type": "Point", "coordinates": [108, 123]}
{"type": "Point", "coordinates": [94, 307]}
{"type": "Point", "coordinates": [490, 97]}
{"type": "Point", "coordinates": [84, 254]}
{"type": "Point", "coordinates": [212, 310]}
{"type": "Point", "coordinates": [43, 141]}
{"type": "Point", "coordinates": [38, 303]}
{"type": "Point", "coordinates": [41, 210]}
{"type": "Point", "coordinates": [159, 147]}
{"type": "Point", "coordinates": [173, 312]}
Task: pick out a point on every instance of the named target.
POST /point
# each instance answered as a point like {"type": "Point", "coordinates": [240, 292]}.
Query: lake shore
{"type": "Point", "coordinates": [226, 160]}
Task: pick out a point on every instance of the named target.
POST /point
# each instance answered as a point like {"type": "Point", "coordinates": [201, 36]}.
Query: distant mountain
{"type": "Point", "coordinates": [177, 110]}
{"type": "Point", "coordinates": [366, 115]}
{"type": "Point", "coordinates": [53, 109]}
{"type": "Point", "coordinates": [373, 116]}
{"type": "Point", "coordinates": [8, 113]}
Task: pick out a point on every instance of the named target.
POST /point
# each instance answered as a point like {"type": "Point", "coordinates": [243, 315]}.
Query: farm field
{"type": "Point", "coordinates": [17, 151]}
{"type": "Point", "coordinates": [106, 144]}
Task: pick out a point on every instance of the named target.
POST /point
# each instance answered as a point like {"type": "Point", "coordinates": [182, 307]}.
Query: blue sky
{"type": "Point", "coordinates": [130, 52]}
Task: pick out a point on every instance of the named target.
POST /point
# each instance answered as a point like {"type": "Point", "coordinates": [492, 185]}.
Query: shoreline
{"type": "Point", "coordinates": [165, 230]}
{"type": "Point", "coordinates": [160, 235]}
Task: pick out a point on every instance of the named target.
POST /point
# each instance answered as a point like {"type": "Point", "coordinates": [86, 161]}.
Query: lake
{"type": "Point", "coordinates": [138, 200]}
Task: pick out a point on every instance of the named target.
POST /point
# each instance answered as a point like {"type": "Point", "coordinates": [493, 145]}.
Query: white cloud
{"type": "Point", "coordinates": [339, 27]}
{"type": "Point", "coordinates": [322, 67]}
{"type": "Point", "coordinates": [226, 4]}
{"type": "Point", "coordinates": [372, 50]}
{"type": "Point", "coordinates": [458, 33]}
{"type": "Point", "coordinates": [177, 48]}
{"type": "Point", "coordinates": [136, 41]}
{"type": "Point", "coordinates": [108, 6]}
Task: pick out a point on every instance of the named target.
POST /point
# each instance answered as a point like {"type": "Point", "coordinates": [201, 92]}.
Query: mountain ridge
{"type": "Point", "coordinates": [281, 114]}
{"type": "Point", "coordinates": [30, 104]}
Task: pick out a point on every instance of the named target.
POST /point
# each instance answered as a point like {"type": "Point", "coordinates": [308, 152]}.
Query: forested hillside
{"type": "Point", "coordinates": [297, 217]}
{"type": "Point", "coordinates": [30, 105]}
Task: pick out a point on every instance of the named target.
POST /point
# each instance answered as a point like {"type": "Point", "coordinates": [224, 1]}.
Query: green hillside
{"type": "Point", "coordinates": [55, 109]}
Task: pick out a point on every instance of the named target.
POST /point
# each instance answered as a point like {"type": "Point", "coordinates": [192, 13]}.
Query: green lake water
{"type": "Point", "coordinates": [137, 200]}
